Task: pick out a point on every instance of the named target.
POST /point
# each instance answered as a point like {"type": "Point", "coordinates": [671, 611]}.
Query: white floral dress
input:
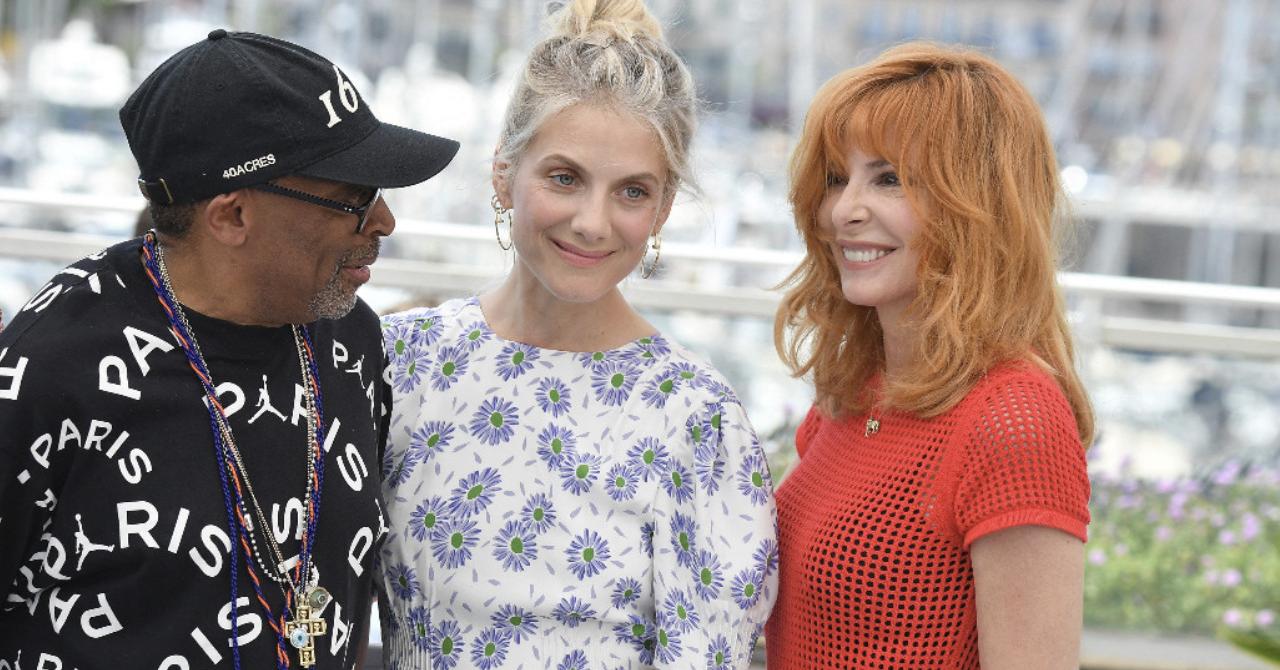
{"type": "Point", "coordinates": [551, 509]}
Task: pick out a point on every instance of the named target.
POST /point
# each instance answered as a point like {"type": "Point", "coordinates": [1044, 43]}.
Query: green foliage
{"type": "Point", "coordinates": [1185, 556]}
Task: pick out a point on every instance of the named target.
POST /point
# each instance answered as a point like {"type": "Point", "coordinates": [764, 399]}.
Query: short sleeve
{"type": "Point", "coordinates": [807, 429]}
{"type": "Point", "coordinates": [715, 546]}
{"type": "Point", "coordinates": [1023, 464]}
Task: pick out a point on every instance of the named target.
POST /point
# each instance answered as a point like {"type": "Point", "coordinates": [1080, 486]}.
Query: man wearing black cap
{"type": "Point", "coordinates": [191, 422]}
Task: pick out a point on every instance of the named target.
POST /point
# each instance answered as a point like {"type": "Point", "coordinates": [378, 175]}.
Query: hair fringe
{"type": "Point", "coordinates": [971, 148]}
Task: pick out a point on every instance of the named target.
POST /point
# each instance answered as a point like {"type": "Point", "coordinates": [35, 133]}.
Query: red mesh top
{"type": "Point", "coordinates": [874, 531]}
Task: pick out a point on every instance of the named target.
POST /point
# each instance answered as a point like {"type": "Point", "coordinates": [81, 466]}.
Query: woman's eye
{"type": "Point", "coordinates": [563, 179]}
{"type": "Point", "coordinates": [834, 179]}
{"type": "Point", "coordinates": [634, 192]}
{"type": "Point", "coordinates": [890, 179]}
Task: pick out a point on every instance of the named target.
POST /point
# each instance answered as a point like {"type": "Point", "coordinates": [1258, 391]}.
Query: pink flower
{"type": "Point", "coordinates": [1232, 617]}
{"type": "Point", "coordinates": [1250, 527]}
{"type": "Point", "coordinates": [1264, 618]}
{"type": "Point", "coordinates": [1231, 577]}
{"type": "Point", "coordinates": [1227, 537]}
{"type": "Point", "coordinates": [1097, 557]}
{"type": "Point", "coordinates": [1163, 533]}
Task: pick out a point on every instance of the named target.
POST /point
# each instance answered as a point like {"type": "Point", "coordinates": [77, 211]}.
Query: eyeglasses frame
{"type": "Point", "coordinates": [361, 212]}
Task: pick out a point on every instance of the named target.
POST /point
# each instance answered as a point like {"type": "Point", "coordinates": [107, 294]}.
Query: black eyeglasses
{"type": "Point", "coordinates": [361, 212]}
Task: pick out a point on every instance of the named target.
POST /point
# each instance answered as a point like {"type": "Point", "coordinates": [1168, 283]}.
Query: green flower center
{"type": "Point", "coordinates": [456, 540]}
{"type": "Point", "coordinates": [517, 358]}
{"type": "Point", "coordinates": [433, 440]}
{"type": "Point", "coordinates": [588, 554]}
{"type": "Point", "coordinates": [757, 480]}
{"type": "Point", "coordinates": [421, 629]}
{"type": "Point", "coordinates": [719, 658]}
{"type": "Point", "coordinates": [684, 541]}
{"type": "Point", "coordinates": [715, 422]}
{"type": "Point", "coordinates": [429, 520]}
{"type": "Point", "coordinates": [666, 386]}
{"type": "Point", "coordinates": [517, 545]}
{"type": "Point", "coordinates": [681, 613]}
{"type": "Point", "coordinates": [582, 471]}
{"type": "Point", "coordinates": [749, 590]}
{"type": "Point", "coordinates": [649, 456]}
{"type": "Point", "coordinates": [473, 335]}
{"type": "Point", "coordinates": [597, 356]}
{"type": "Point", "coordinates": [413, 367]}
{"type": "Point", "coordinates": [554, 395]}
{"type": "Point", "coordinates": [662, 637]}
{"type": "Point", "coordinates": [538, 514]}
{"type": "Point", "coordinates": [404, 582]}
{"type": "Point", "coordinates": [426, 324]}
{"type": "Point", "coordinates": [697, 433]}
{"type": "Point", "coordinates": [616, 380]}
{"type": "Point", "coordinates": [706, 576]}
{"type": "Point", "coordinates": [637, 629]}
{"type": "Point", "coordinates": [496, 419]}
{"type": "Point", "coordinates": [686, 374]}
{"type": "Point", "coordinates": [400, 346]}
{"type": "Point", "coordinates": [489, 649]}
{"type": "Point", "coordinates": [475, 491]}
{"type": "Point", "coordinates": [628, 594]}
{"type": "Point", "coordinates": [516, 620]}
{"type": "Point", "coordinates": [446, 646]}
{"type": "Point", "coordinates": [620, 482]}
{"type": "Point", "coordinates": [557, 446]}
{"type": "Point", "coordinates": [448, 368]}
{"type": "Point", "coordinates": [676, 480]}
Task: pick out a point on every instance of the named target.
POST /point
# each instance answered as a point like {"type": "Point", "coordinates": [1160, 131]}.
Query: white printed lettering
{"type": "Point", "coordinates": [141, 529]}
{"type": "Point", "coordinates": [120, 386]}
{"type": "Point", "coordinates": [357, 471]}
{"type": "Point", "coordinates": [102, 611]}
{"type": "Point", "coordinates": [359, 547]}
{"type": "Point", "coordinates": [142, 343]}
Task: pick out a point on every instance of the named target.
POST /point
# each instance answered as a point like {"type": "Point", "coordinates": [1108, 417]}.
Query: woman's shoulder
{"type": "Point", "coordinates": [1016, 392]}
{"type": "Point", "coordinates": [421, 326]}
{"type": "Point", "coordinates": [690, 372]}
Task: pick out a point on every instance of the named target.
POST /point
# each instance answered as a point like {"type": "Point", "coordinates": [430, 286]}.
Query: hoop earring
{"type": "Point", "coordinates": [647, 271]}
{"type": "Point", "coordinates": [500, 213]}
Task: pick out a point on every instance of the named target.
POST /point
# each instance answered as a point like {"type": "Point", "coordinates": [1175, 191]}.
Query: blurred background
{"type": "Point", "coordinates": [1166, 119]}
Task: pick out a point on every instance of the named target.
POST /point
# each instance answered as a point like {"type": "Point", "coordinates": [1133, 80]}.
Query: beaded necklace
{"type": "Point", "coordinates": [301, 587]}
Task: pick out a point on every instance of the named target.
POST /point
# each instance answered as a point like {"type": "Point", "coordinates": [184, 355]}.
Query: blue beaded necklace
{"type": "Point", "coordinates": [298, 626]}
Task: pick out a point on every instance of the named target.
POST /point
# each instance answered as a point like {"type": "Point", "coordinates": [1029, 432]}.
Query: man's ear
{"type": "Point", "coordinates": [223, 216]}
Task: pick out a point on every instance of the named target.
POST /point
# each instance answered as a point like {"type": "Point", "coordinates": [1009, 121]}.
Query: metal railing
{"type": "Point", "coordinates": [1094, 325]}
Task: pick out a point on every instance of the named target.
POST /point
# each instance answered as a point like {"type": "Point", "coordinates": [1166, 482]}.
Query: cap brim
{"type": "Point", "coordinates": [390, 157]}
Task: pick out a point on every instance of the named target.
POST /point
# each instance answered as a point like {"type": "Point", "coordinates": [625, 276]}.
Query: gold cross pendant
{"type": "Point", "coordinates": [873, 427]}
{"type": "Point", "coordinates": [302, 631]}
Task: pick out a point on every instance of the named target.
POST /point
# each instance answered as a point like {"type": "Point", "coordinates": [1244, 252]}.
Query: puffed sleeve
{"type": "Point", "coordinates": [715, 543]}
{"type": "Point", "coordinates": [1023, 462]}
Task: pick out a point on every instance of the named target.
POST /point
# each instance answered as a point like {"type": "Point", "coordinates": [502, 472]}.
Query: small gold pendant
{"type": "Point", "coordinates": [302, 631]}
{"type": "Point", "coordinates": [873, 427]}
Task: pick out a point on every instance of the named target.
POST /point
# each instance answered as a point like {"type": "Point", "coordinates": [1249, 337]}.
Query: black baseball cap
{"type": "Point", "coordinates": [239, 109]}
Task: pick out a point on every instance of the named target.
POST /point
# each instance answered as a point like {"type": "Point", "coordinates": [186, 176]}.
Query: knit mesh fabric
{"type": "Point", "coordinates": [874, 531]}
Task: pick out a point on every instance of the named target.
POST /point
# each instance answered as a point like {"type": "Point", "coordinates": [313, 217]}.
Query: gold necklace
{"type": "Point", "coordinates": [873, 426]}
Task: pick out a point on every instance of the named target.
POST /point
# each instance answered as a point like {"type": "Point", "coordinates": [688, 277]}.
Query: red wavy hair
{"type": "Point", "coordinates": [970, 146]}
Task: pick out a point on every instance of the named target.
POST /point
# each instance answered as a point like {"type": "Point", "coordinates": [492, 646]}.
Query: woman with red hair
{"type": "Point", "coordinates": [937, 515]}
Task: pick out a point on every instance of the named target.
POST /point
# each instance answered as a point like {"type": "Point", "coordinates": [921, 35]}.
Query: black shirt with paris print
{"type": "Point", "coordinates": [114, 540]}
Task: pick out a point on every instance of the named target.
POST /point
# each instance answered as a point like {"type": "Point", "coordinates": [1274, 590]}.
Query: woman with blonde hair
{"type": "Point", "coordinates": [937, 515]}
{"type": "Point", "coordinates": [566, 488]}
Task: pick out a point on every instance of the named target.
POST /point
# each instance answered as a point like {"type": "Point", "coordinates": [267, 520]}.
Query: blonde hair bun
{"type": "Point", "coordinates": [618, 19]}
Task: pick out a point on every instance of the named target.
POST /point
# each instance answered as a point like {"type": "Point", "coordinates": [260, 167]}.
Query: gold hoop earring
{"type": "Point", "coordinates": [500, 213]}
{"type": "Point", "coordinates": [647, 271]}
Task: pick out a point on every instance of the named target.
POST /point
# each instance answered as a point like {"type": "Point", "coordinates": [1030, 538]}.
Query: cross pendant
{"type": "Point", "coordinates": [302, 631]}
